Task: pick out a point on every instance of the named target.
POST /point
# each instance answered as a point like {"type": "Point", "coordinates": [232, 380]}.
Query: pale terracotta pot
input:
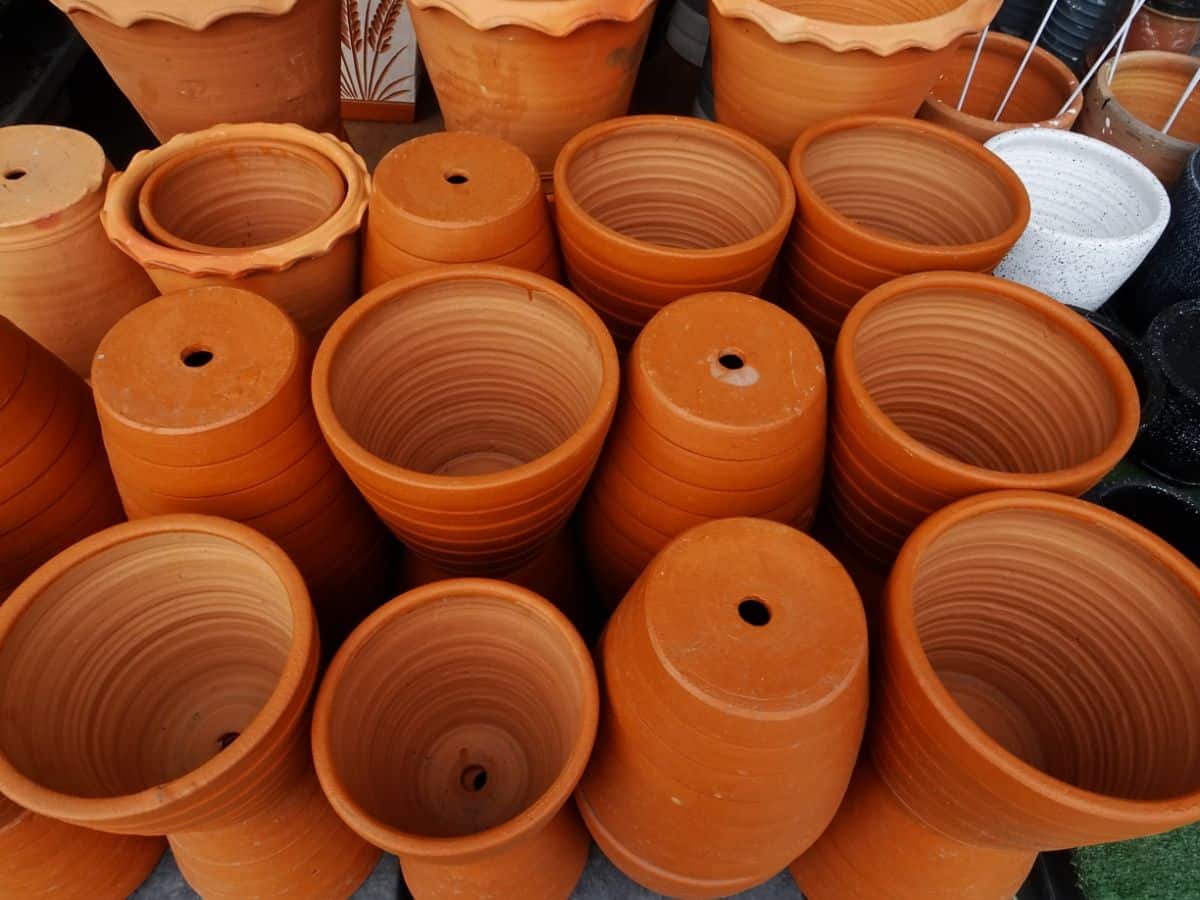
{"type": "Point", "coordinates": [1154, 29]}
{"type": "Point", "coordinates": [156, 678]}
{"type": "Point", "coordinates": [187, 65]}
{"type": "Point", "coordinates": [64, 283]}
{"type": "Point", "coordinates": [248, 206]}
{"type": "Point", "coordinates": [451, 730]}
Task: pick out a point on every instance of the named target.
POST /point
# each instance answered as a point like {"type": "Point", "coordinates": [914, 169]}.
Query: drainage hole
{"type": "Point", "coordinates": [15, 174]}
{"type": "Point", "coordinates": [195, 357]}
{"type": "Point", "coordinates": [731, 360]}
{"type": "Point", "coordinates": [754, 612]}
{"type": "Point", "coordinates": [457, 177]}
{"type": "Point", "coordinates": [474, 778]}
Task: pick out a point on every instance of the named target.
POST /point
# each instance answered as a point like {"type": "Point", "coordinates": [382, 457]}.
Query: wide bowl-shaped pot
{"type": "Point", "coordinates": [653, 208]}
{"type": "Point", "coordinates": [745, 643]}
{"type": "Point", "coordinates": [1096, 214]}
{"type": "Point", "coordinates": [1170, 441]}
{"type": "Point", "coordinates": [156, 678]}
{"type": "Point", "coordinates": [469, 405]}
{"type": "Point", "coordinates": [948, 384]}
{"type": "Point", "coordinates": [881, 197]}
{"type": "Point", "coordinates": [451, 730]}
{"type": "Point", "coordinates": [868, 57]}
{"type": "Point", "coordinates": [271, 209]}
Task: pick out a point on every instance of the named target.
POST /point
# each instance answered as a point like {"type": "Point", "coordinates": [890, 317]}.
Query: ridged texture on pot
{"type": "Point", "coordinates": [1096, 214]}
{"type": "Point", "coordinates": [510, 78]}
{"type": "Point", "coordinates": [252, 196]}
{"type": "Point", "coordinates": [745, 643]}
{"type": "Point", "coordinates": [948, 384]}
{"type": "Point", "coordinates": [156, 679]}
{"type": "Point", "coordinates": [451, 730]}
{"type": "Point", "coordinates": [653, 208]}
{"type": "Point", "coordinates": [188, 65]}
{"type": "Point", "coordinates": [868, 56]}
{"type": "Point", "coordinates": [205, 407]}
{"type": "Point", "coordinates": [1170, 441]}
{"type": "Point", "coordinates": [469, 404]}
{"type": "Point", "coordinates": [455, 197]}
{"type": "Point", "coordinates": [882, 197]}
{"type": "Point", "coordinates": [1020, 17]}
{"type": "Point", "coordinates": [64, 283]}
{"type": "Point", "coordinates": [1079, 29]}
{"type": "Point", "coordinates": [722, 414]}
{"type": "Point", "coordinates": [55, 484]}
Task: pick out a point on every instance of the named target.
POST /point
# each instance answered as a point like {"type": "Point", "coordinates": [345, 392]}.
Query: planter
{"type": "Point", "coordinates": [1130, 112]}
{"type": "Point", "coordinates": [469, 405]}
{"type": "Point", "coordinates": [64, 282]}
{"type": "Point", "coordinates": [722, 414]}
{"type": "Point", "coordinates": [883, 197]}
{"type": "Point", "coordinates": [1079, 30]}
{"type": "Point", "coordinates": [1147, 376]}
{"type": "Point", "coordinates": [453, 197]}
{"type": "Point", "coordinates": [186, 66]}
{"type": "Point", "coordinates": [1170, 441]}
{"type": "Point", "coordinates": [1041, 401]}
{"type": "Point", "coordinates": [714, 219]}
{"type": "Point", "coordinates": [1155, 30]}
{"type": "Point", "coordinates": [158, 676]}
{"type": "Point", "coordinates": [480, 716]}
{"type": "Point", "coordinates": [204, 403]}
{"type": "Point", "coordinates": [536, 75]}
{"type": "Point", "coordinates": [1096, 214]}
{"type": "Point", "coordinates": [380, 69]}
{"type": "Point", "coordinates": [1004, 723]}
{"type": "Point", "coordinates": [271, 209]}
{"type": "Point", "coordinates": [745, 643]}
{"type": "Point", "coordinates": [869, 56]}
{"type": "Point", "coordinates": [1040, 93]}
{"type": "Point", "coordinates": [1169, 510]}
{"type": "Point", "coordinates": [1020, 17]}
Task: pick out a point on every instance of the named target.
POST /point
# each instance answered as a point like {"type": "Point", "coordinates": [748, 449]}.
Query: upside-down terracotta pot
{"type": "Point", "coordinates": [722, 414]}
{"type": "Point", "coordinates": [272, 209]}
{"type": "Point", "coordinates": [882, 197]}
{"type": "Point", "coordinates": [156, 679]}
{"type": "Point", "coordinates": [64, 283]}
{"type": "Point", "coordinates": [534, 74]}
{"type": "Point", "coordinates": [1039, 689]}
{"type": "Point", "coordinates": [55, 483]}
{"type": "Point", "coordinates": [469, 404]}
{"type": "Point", "coordinates": [205, 408]}
{"type": "Point", "coordinates": [948, 384]}
{"type": "Point", "coordinates": [456, 197]}
{"type": "Point", "coordinates": [867, 56]}
{"type": "Point", "coordinates": [186, 65]}
{"type": "Point", "coordinates": [653, 208]}
{"type": "Point", "coordinates": [451, 730]}
{"type": "Point", "coordinates": [734, 684]}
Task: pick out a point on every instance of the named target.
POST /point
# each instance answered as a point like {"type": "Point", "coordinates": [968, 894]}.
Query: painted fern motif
{"type": "Point", "coordinates": [373, 57]}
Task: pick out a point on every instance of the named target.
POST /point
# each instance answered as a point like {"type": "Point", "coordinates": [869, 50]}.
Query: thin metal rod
{"type": "Point", "coordinates": [1012, 85]}
{"type": "Point", "coordinates": [1182, 101]}
{"type": "Point", "coordinates": [962, 98]}
{"type": "Point", "coordinates": [1083, 82]}
{"type": "Point", "coordinates": [1121, 44]}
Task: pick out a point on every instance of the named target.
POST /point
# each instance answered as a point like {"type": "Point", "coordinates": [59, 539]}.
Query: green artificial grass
{"type": "Point", "coordinates": [1162, 867]}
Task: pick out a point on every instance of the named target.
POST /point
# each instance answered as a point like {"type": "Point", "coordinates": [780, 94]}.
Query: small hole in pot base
{"type": "Point", "coordinates": [754, 612]}
{"type": "Point", "coordinates": [227, 738]}
{"type": "Point", "coordinates": [731, 360]}
{"type": "Point", "coordinates": [457, 177]}
{"type": "Point", "coordinates": [15, 174]}
{"type": "Point", "coordinates": [195, 357]}
{"type": "Point", "coordinates": [474, 778]}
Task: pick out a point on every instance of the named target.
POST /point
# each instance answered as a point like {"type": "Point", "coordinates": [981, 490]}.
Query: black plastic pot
{"type": "Point", "coordinates": [1146, 375]}
{"type": "Point", "coordinates": [1052, 878]}
{"type": "Point", "coordinates": [1171, 511]}
{"type": "Point", "coordinates": [1020, 17]}
{"type": "Point", "coordinates": [1169, 442]}
{"type": "Point", "coordinates": [1079, 29]}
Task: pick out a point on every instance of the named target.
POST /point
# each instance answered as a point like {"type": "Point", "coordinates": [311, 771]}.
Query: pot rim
{"type": "Point", "coordinates": [1156, 336]}
{"type": "Point", "coordinates": [295, 680]}
{"type": "Point", "coordinates": [1062, 317]}
{"type": "Point", "coordinates": [194, 15]}
{"type": "Point", "coordinates": [1142, 59]}
{"type": "Point", "coordinates": [394, 291]}
{"type": "Point", "coordinates": [557, 18]}
{"type": "Point", "coordinates": [121, 221]}
{"type": "Point", "coordinates": [563, 197]}
{"type": "Point", "coordinates": [533, 817]}
{"type": "Point", "coordinates": [900, 623]}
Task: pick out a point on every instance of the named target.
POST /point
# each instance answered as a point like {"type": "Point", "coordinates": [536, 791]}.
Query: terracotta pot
{"type": "Point", "coordinates": [1041, 91]}
{"type": "Point", "coordinates": [1170, 441]}
{"type": "Point", "coordinates": [451, 730]}
{"type": "Point", "coordinates": [272, 209]}
{"type": "Point", "coordinates": [1039, 690]}
{"type": "Point", "coordinates": [1040, 400]}
{"type": "Point", "coordinates": [1096, 214]}
{"type": "Point", "coordinates": [205, 407]}
{"type": "Point", "coordinates": [469, 404]}
{"type": "Point", "coordinates": [1131, 111]}
{"type": "Point", "coordinates": [745, 643]}
{"type": "Point", "coordinates": [64, 282]}
{"type": "Point", "coordinates": [535, 74]}
{"type": "Point", "coordinates": [653, 208]}
{"type": "Point", "coordinates": [882, 197]}
{"type": "Point", "coordinates": [186, 65]}
{"type": "Point", "coordinates": [1156, 30]}
{"type": "Point", "coordinates": [869, 56]}
{"type": "Point", "coordinates": [453, 197]}
{"type": "Point", "coordinates": [156, 677]}
{"type": "Point", "coordinates": [722, 414]}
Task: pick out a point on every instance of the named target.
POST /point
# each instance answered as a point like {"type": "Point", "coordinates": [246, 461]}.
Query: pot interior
{"type": "Point", "coordinates": [1072, 647]}
{"type": "Point", "coordinates": [1039, 93]}
{"type": "Point", "coordinates": [1149, 87]}
{"type": "Point", "coordinates": [457, 714]}
{"type": "Point", "coordinates": [867, 12]}
{"type": "Point", "coordinates": [140, 663]}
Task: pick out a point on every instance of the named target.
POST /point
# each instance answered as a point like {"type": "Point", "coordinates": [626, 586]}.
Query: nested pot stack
{"type": "Point", "coordinates": [722, 414]}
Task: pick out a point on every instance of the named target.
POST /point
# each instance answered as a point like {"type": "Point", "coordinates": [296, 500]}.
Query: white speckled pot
{"type": "Point", "coordinates": [1096, 213]}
